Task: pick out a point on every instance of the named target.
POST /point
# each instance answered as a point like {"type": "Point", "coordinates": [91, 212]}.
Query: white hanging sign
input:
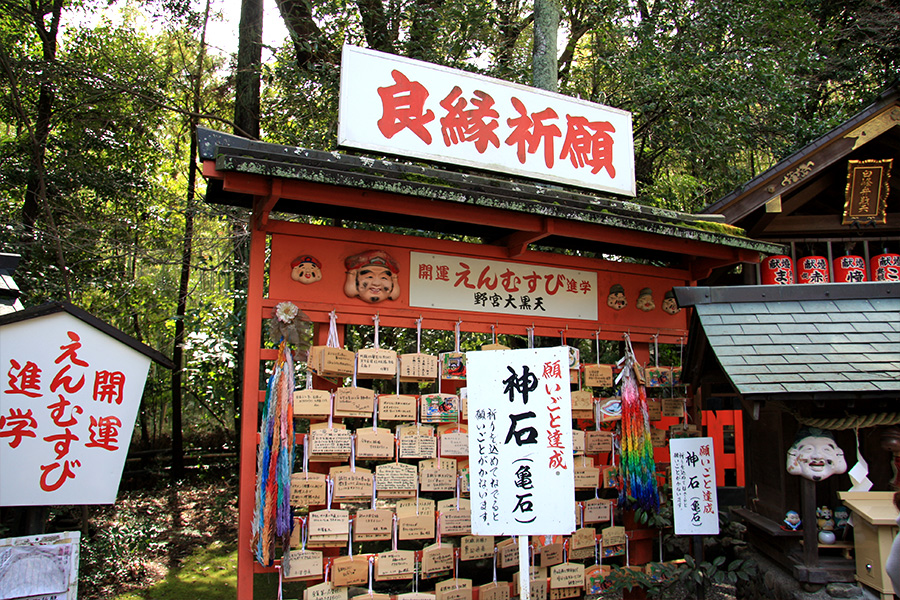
{"type": "Point", "coordinates": [393, 104]}
{"type": "Point", "coordinates": [520, 442]}
{"type": "Point", "coordinates": [696, 508]}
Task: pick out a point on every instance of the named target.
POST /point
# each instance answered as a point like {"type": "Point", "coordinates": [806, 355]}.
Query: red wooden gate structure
{"type": "Point", "coordinates": [601, 244]}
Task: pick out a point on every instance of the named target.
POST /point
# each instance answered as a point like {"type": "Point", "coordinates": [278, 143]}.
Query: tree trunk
{"type": "Point", "coordinates": [544, 64]}
{"type": "Point", "coordinates": [249, 65]}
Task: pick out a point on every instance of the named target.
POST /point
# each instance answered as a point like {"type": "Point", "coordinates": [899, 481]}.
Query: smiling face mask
{"type": "Point", "coordinates": [816, 457]}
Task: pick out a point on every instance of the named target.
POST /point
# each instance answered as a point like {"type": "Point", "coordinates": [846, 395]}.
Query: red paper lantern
{"type": "Point", "coordinates": [849, 269]}
{"type": "Point", "coordinates": [812, 269]}
{"type": "Point", "coordinates": [885, 267]}
{"type": "Point", "coordinates": [777, 270]}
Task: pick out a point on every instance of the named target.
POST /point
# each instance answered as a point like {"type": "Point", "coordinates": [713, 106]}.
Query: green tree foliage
{"type": "Point", "coordinates": [719, 90]}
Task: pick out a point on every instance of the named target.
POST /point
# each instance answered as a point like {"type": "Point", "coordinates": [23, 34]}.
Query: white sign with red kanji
{"type": "Point", "coordinates": [696, 508]}
{"type": "Point", "coordinates": [406, 107]}
{"type": "Point", "coordinates": [521, 472]}
{"type": "Point", "coordinates": [69, 395]}
{"type": "Point", "coordinates": [466, 283]}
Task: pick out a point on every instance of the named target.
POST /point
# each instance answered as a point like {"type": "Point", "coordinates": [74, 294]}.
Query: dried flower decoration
{"type": "Point", "coordinates": [290, 324]}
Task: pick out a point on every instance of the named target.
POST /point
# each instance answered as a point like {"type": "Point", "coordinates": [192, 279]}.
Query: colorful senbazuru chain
{"type": "Point", "coordinates": [274, 463]}
{"type": "Point", "coordinates": [636, 466]}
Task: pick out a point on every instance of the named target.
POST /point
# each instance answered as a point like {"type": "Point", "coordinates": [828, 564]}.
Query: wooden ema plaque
{"type": "Point", "coordinates": [396, 407]}
{"type": "Point", "coordinates": [350, 485]}
{"type": "Point", "coordinates": [454, 589]}
{"type": "Point", "coordinates": [437, 475]}
{"type": "Point", "coordinates": [507, 554]}
{"type": "Point", "coordinates": [329, 444]}
{"type": "Point", "coordinates": [396, 480]}
{"type": "Point", "coordinates": [453, 365]}
{"type": "Point", "coordinates": [374, 443]}
{"type": "Point", "coordinates": [307, 489]}
{"type": "Point", "coordinates": [582, 405]}
{"type": "Point", "coordinates": [395, 565]}
{"type": "Point", "coordinates": [414, 506]}
{"type": "Point", "coordinates": [582, 543]}
{"type": "Point", "coordinates": [463, 469]}
{"type": "Point", "coordinates": [578, 444]}
{"type": "Point", "coordinates": [302, 564]}
{"type": "Point", "coordinates": [354, 402]}
{"type": "Point", "coordinates": [552, 554]}
{"type": "Point", "coordinates": [474, 547]}
{"type": "Point", "coordinates": [328, 528]}
{"type": "Point", "coordinates": [418, 367]}
{"type": "Point", "coordinates": [609, 409]}
{"type": "Point", "coordinates": [372, 596]}
{"type": "Point", "coordinates": [614, 540]}
{"type": "Point", "coordinates": [312, 403]}
{"type": "Point", "coordinates": [325, 591]}
{"type": "Point", "coordinates": [438, 408]}
{"type": "Point", "coordinates": [567, 575]}
{"type": "Point", "coordinates": [455, 516]}
{"type": "Point", "coordinates": [372, 525]}
{"type": "Point", "coordinates": [376, 363]}
{"type": "Point", "coordinates": [598, 376]}
{"type": "Point", "coordinates": [416, 527]}
{"type": "Point", "coordinates": [595, 579]}
{"type": "Point", "coordinates": [350, 570]}
{"type": "Point", "coordinates": [498, 590]}
{"type": "Point", "coordinates": [326, 361]}
{"type": "Point", "coordinates": [539, 588]}
{"type": "Point", "coordinates": [654, 409]}
{"type": "Point", "coordinates": [598, 442]}
{"type": "Point", "coordinates": [415, 596]}
{"type": "Point", "coordinates": [673, 407]}
{"type": "Point", "coordinates": [417, 442]}
{"type": "Point", "coordinates": [609, 474]}
{"type": "Point", "coordinates": [587, 477]}
{"type": "Point", "coordinates": [534, 573]}
{"type": "Point", "coordinates": [454, 439]}
{"type": "Point", "coordinates": [597, 510]}
{"type": "Point", "coordinates": [658, 437]}
{"type": "Point", "coordinates": [436, 559]}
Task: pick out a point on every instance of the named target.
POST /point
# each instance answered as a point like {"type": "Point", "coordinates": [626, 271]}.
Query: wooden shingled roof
{"type": "Point", "coordinates": [500, 211]}
{"type": "Point", "coordinates": [802, 196]}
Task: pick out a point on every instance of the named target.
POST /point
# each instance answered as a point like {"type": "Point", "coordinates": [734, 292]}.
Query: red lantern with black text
{"type": "Point", "coordinates": [777, 270]}
{"type": "Point", "coordinates": [849, 269]}
{"type": "Point", "coordinates": [885, 267]}
{"type": "Point", "coordinates": [812, 269]}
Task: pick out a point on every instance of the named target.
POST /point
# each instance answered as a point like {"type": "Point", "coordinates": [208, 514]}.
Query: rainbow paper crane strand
{"type": "Point", "coordinates": [636, 465]}
{"type": "Point", "coordinates": [274, 463]}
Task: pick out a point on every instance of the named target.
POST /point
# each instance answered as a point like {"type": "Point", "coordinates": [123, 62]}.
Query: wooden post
{"type": "Point", "coordinates": [697, 551]}
{"type": "Point", "coordinates": [810, 533]}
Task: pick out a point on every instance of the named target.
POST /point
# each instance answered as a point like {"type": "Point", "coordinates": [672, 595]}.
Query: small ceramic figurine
{"type": "Point", "coordinates": [815, 455]}
{"type": "Point", "coordinates": [616, 299]}
{"type": "Point", "coordinates": [824, 518]}
{"type": "Point", "coordinates": [373, 276]}
{"type": "Point", "coordinates": [306, 269]}
{"type": "Point", "coordinates": [645, 300]}
{"type": "Point", "coordinates": [670, 305]}
{"type": "Point", "coordinates": [792, 520]}
{"type": "Point", "coordinates": [841, 519]}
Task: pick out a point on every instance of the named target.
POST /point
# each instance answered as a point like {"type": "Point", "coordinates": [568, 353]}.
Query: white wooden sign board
{"type": "Point", "coordinates": [696, 508]}
{"type": "Point", "coordinates": [406, 107]}
{"type": "Point", "coordinates": [520, 442]}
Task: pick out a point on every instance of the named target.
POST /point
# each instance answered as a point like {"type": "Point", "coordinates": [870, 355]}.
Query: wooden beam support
{"type": "Point", "coordinates": [517, 243]}
{"type": "Point", "coordinates": [263, 206]}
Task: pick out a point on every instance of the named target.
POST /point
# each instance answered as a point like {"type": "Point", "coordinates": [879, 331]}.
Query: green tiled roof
{"type": "Point", "coordinates": [803, 339]}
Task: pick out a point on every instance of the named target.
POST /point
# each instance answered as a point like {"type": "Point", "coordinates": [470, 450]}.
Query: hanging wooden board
{"type": "Point", "coordinates": [396, 480]}
{"type": "Point", "coordinates": [325, 591]}
{"type": "Point", "coordinates": [307, 489]}
{"type": "Point", "coordinates": [474, 547]}
{"type": "Point", "coordinates": [350, 485]}
{"type": "Point", "coordinates": [598, 376]}
{"type": "Point", "coordinates": [350, 570]}
{"type": "Point", "coordinates": [419, 367]}
{"type": "Point", "coordinates": [312, 403]}
{"type": "Point", "coordinates": [396, 407]}
{"type": "Point", "coordinates": [438, 408]}
{"type": "Point", "coordinates": [354, 402]}
{"type": "Point", "coordinates": [373, 525]}
{"type": "Point", "coordinates": [395, 565]}
{"type": "Point", "coordinates": [302, 564]}
{"type": "Point", "coordinates": [373, 443]}
{"type": "Point", "coordinates": [376, 363]}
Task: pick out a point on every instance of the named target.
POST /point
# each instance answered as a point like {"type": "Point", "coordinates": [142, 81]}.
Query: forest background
{"type": "Point", "coordinates": [99, 186]}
